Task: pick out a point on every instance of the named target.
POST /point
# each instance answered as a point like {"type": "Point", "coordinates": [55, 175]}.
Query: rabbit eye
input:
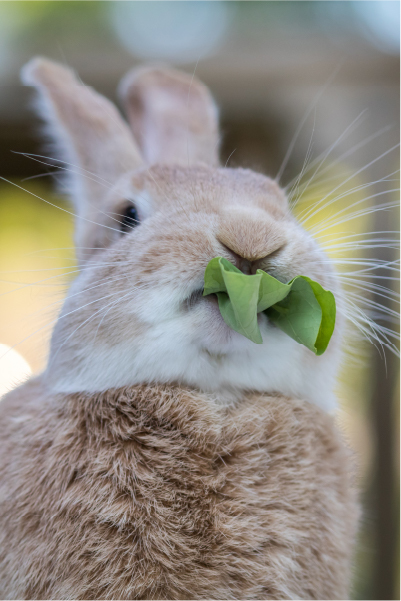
{"type": "Point", "coordinates": [130, 219]}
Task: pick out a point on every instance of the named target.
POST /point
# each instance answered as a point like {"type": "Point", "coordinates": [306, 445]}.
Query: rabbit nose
{"type": "Point", "coordinates": [251, 242]}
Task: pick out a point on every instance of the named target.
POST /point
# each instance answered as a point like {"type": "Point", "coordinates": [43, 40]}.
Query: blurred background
{"type": "Point", "coordinates": [309, 90]}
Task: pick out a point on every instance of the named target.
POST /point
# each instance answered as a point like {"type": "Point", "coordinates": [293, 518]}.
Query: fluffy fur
{"type": "Point", "coordinates": [161, 454]}
{"type": "Point", "coordinates": [160, 493]}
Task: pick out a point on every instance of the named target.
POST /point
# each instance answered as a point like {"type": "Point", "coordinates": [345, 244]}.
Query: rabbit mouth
{"type": "Point", "coordinates": [196, 296]}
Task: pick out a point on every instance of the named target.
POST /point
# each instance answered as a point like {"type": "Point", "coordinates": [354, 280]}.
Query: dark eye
{"type": "Point", "coordinates": [130, 219]}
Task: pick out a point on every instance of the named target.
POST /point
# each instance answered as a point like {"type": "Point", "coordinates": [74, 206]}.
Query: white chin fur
{"type": "Point", "coordinates": [224, 363]}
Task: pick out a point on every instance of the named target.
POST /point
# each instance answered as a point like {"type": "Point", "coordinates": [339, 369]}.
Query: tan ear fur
{"type": "Point", "coordinates": [88, 133]}
{"type": "Point", "coordinates": [172, 115]}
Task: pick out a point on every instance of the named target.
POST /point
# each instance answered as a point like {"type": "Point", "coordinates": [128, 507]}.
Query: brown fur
{"type": "Point", "coordinates": [159, 493]}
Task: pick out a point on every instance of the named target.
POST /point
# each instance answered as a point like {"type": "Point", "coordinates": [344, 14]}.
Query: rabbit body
{"type": "Point", "coordinates": [161, 455]}
{"type": "Point", "coordinates": [159, 492]}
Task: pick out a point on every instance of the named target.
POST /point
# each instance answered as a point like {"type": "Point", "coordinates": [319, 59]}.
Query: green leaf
{"type": "Point", "coordinates": [327, 303]}
{"type": "Point", "coordinates": [302, 308]}
{"type": "Point", "coordinates": [299, 315]}
{"type": "Point", "coordinates": [224, 279]}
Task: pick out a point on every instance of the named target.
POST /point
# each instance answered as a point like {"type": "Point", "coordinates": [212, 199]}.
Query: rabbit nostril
{"type": "Point", "coordinates": [248, 266]}
{"type": "Point", "coordinates": [266, 262]}
{"type": "Point", "coordinates": [245, 266]}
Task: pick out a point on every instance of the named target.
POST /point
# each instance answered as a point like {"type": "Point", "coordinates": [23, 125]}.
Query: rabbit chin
{"type": "Point", "coordinates": [201, 353]}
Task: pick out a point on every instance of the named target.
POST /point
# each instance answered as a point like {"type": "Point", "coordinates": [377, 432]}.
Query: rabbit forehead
{"type": "Point", "coordinates": [208, 187]}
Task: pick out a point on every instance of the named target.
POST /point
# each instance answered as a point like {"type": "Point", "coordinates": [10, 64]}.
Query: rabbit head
{"type": "Point", "coordinates": [153, 207]}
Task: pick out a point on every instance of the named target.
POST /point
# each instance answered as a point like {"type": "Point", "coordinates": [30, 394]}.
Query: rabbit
{"type": "Point", "coordinates": [161, 455]}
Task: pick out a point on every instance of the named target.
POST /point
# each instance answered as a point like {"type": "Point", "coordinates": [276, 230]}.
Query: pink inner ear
{"type": "Point", "coordinates": [173, 116]}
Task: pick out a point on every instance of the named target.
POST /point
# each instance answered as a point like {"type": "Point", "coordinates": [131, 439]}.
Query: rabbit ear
{"type": "Point", "coordinates": [172, 115]}
{"type": "Point", "coordinates": [89, 134]}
